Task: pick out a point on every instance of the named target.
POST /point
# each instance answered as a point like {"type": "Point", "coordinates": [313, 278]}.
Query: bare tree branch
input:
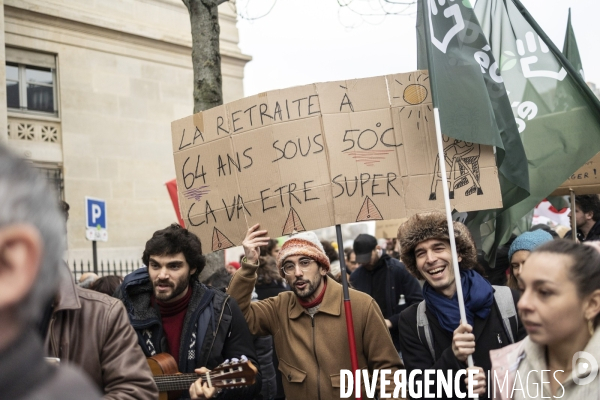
{"type": "Point", "coordinates": [373, 12]}
{"type": "Point", "coordinates": [245, 13]}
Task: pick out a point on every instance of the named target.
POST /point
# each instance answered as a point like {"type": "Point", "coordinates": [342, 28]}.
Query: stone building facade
{"type": "Point", "coordinates": [92, 88]}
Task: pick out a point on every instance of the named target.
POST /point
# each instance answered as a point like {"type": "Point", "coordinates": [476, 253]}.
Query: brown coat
{"type": "Point", "coordinates": [311, 351]}
{"type": "Point", "coordinates": [92, 330]}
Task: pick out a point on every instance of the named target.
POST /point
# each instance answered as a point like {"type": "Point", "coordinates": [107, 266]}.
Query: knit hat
{"type": "Point", "coordinates": [433, 225]}
{"type": "Point", "coordinates": [529, 241]}
{"type": "Point", "coordinates": [303, 244]}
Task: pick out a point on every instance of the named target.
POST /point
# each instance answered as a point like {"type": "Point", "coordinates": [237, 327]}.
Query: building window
{"type": "Point", "coordinates": [12, 86]}
{"type": "Point", "coordinates": [30, 82]}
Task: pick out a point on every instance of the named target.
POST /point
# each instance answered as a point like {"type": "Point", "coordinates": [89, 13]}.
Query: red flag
{"type": "Point", "coordinates": [172, 188]}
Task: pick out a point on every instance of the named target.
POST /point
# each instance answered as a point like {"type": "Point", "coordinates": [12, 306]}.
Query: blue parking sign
{"type": "Point", "coordinates": [95, 213]}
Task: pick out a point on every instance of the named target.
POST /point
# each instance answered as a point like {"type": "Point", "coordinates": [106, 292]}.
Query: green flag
{"type": "Point", "coordinates": [469, 92]}
{"type": "Point", "coordinates": [571, 52]}
{"type": "Point", "coordinates": [557, 114]}
{"type": "Point", "coordinates": [570, 49]}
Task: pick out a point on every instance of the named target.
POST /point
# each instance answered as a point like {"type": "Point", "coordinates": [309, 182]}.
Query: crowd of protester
{"type": "Point", "coordinates": [280, 312]}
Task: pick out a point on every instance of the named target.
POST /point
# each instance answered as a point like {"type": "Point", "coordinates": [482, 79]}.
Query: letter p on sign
{"type": "Point", "coordinates": [95, 219]}
{"type": "Point", "coordinates": [96, 213]}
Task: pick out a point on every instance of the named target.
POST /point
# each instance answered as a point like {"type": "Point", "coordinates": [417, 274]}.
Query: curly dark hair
{"type": "Point", "coordinates": [589, 203]}
{"type": "Point", "coordinates": [173, 240]}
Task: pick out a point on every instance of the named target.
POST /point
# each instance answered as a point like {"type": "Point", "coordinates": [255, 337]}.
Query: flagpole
{"type": "Point", "coordinates": [348, 308]}
{"type": "Point", "coordinates": [442, 161]}
{"type": "Point", "coordinates": [573, 217]}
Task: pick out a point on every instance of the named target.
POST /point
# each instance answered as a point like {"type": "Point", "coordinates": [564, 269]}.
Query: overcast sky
{"type": "Point", "coordinates": [306, 41]}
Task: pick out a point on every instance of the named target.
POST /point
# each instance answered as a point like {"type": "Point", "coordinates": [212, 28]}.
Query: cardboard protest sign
{"type": "Point", "coordinates": [388, 229]}
{"type": "Point", "coordinates": [585, 180]}
{"type": "Point", "coordinates": [319, 155]}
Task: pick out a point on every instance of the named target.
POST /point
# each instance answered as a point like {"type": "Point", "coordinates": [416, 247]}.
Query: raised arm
{"type": "Point", "coordinates": [260, 315]}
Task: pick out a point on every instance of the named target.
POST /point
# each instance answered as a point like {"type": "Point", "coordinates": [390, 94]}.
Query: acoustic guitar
{"type": "Point", "coordinates": [171, 382]}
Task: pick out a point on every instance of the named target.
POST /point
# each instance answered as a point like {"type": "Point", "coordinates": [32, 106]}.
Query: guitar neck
{"type": "Point", "coordinates": [167, 383]}
{"type": "Point", "coordinates": [227, 375]}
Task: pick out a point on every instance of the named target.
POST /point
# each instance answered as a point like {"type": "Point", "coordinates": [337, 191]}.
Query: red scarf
{"type": "Point", "coordinates": [316, 301]}
{"type": "Point", "coordinates": [172, 315]}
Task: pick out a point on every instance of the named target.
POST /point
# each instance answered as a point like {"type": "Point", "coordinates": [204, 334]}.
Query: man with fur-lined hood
{"type": "Point", "coordinates": [431, 335]}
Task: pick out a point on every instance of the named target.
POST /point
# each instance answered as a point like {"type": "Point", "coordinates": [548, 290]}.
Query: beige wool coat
{"type": "Point", "coordinates": [312, 351]}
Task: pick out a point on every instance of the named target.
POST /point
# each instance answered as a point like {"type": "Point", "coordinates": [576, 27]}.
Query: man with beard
{"type": "Point", "coordinates": [587, 218]}
{"type": "Point", "coordinates": [172, 312]}
{"type": "Point", "coordinates": [308, 324]}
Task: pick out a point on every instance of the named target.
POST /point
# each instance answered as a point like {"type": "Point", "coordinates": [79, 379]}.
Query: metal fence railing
{"type": "Point", "coordinates": [105, 267]}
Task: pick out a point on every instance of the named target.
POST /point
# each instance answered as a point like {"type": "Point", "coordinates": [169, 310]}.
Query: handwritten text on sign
{"type": "Point", "coordinates": [322, 154]}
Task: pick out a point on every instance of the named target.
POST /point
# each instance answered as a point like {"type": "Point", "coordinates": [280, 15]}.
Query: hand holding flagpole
{"type": "Point", "coordinates": [459, 292]}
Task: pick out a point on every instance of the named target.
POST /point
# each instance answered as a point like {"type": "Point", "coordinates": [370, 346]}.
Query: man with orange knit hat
{"type": "Point", "coordinates": [309, 324]}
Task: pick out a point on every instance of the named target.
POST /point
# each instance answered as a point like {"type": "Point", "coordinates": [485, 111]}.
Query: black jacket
{"type": "Point", "coordinates": [397, 280]}
{"type": "Point", "coordinates": [593, 234]}
{"type": "Point", "coordinates": [265, 290]}
{"type": "Point", "coordinates": [489, 335]}
{"type": "Point", "coordinates": [214, 328]}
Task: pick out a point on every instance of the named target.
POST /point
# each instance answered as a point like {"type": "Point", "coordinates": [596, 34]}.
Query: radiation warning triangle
{"type": "Point", "coordinates": [220, 241]}
{"type": "Point", "coordinates": [368, 211]}
{"type": "Point", "coordinates": [292, 223]}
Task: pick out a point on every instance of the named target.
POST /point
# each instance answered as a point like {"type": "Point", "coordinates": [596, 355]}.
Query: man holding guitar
{"type": "Point", "coordinates": [308, 324]}
{"type": "Point", "coordinates": [172, 312]}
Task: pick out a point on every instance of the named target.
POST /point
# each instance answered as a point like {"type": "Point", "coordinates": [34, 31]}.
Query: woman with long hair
{"type": "Point", "coordinates": [560, 309]}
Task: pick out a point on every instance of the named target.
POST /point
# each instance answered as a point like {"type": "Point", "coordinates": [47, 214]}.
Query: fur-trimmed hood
{"type": "Point", "coordinates": [421, 227]}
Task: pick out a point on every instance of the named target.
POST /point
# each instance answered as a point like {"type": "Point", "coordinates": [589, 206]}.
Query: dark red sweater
{"type": "Point", "coordinates": [172, 315]}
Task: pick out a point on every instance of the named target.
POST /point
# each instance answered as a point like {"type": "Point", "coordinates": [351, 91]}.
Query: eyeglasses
{"type": "Point", "coordinates": [304, 264]}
